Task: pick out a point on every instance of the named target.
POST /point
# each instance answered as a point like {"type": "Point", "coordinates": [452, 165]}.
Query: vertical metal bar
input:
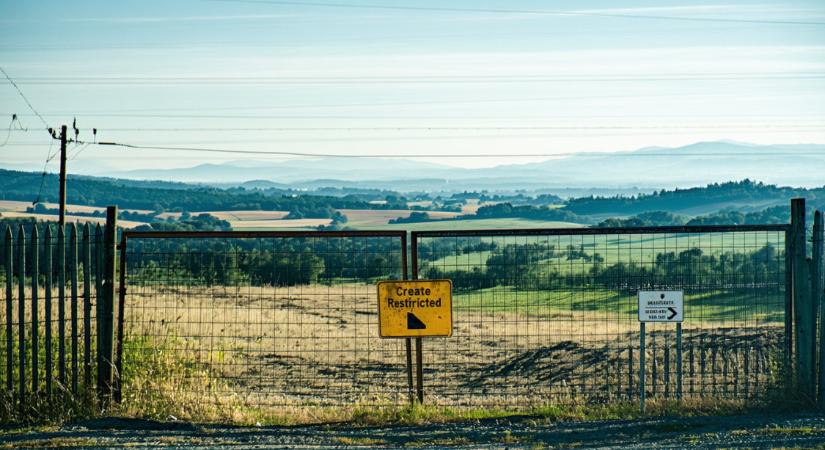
{"type": "Point", "coordinates": [747, 364]}
{"type": "Point", "coordinates": [419, 357]}
{"type": "Point", "coordinates": [630, 372]}
{"type": "Point", "coordinates": [120, 318]}
{"type": "Point", "coordinates": [789, 313]}
{"type": "Point", "coordinates": [98, 264]}
{"type": "Point", "coordinates": [9, 254]}
{"type": "Point", "coordinates": [802, 301]}
{"type": "Point", "coordinates": [679, 361]}
{"type": "Point", "coordinates": [73, 305]}
{"type": "Point", "coordinates": [419, 367]}
{"type": "Point", "coordinates": [49, 268]}
{"type": "Point", "coordinates": [61, 305]}
{"type": "Point", "coordinates": [410, 387]}
{"type": "Point", "coordinates": [642, 367]}
{"type": "Point", "coordinates": [818, 287]}
{"type": "Point", "coordinates": [35, 274]}
{"type": "Point", "coordinates": [87, 308]}
{"type": "Point", "coordinates": [408, 341]}
{"type": "Point", "coordinates": [21, 313]}
{"type": "Point", "coordinates": [667, 371]}
{"type": "Point", "coordinates": [105, 318]}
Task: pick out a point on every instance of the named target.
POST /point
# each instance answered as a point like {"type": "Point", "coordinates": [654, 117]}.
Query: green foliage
{"type": "Point", "coordinates": [646, 219]}
{"type": "Point", "coordinates": [681, 199]}
{"type": "Point", "coordinates": [157, 196]}
{"type": "Point", "coordinates": [201, 222]}
{"type": "Point", "coordinates": [776, 214]}
{"type": "Point", "coordinates": [526, 212]}
{"type": "Point", "coordinates": [281, 262]}
{"type": "Point", "coordinates": [414, 217]}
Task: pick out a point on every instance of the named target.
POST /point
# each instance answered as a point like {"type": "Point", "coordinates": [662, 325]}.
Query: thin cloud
{"type": "Point", "coordinates": [159, 19]}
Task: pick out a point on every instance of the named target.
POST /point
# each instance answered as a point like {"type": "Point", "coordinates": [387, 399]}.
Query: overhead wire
{"type": "Point", "coordinates": [408, 80]}
{"type": "Point", "coordinates": [25, 99]}
{"type": "Point", "coordinates": [525, 11]}
{"type": "Point", "coordinates": [436, 155]}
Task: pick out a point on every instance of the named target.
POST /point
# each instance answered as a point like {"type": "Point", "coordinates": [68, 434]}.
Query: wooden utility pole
{"type": "Point", "coordinates": [62, 219]}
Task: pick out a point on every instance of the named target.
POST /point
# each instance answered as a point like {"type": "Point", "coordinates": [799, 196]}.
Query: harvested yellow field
{"type": "Point", "coordinates": [246, 215]}
{"type": "Point", "coordinates": [367, 217]}
{"type": "Point", "coordinates": [70, 219]}
{"type": "Point", "coordinates": [232, 215]}
{"type": "Point", "coordinates": [472, 205]}
{"type": "Point", "coordinates": [20, 206]}
{"type": "Point", "coordinates": [278, 223]}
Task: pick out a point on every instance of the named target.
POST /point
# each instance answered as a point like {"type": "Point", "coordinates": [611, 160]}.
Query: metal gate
{"type": "Point", "coordinates": [217, 324]}
{"type": "Point", "coordinates": [550, 316]}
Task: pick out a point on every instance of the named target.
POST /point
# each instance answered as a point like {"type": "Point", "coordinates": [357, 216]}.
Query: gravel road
{"type": "Point", "coordinates": [802, 430]}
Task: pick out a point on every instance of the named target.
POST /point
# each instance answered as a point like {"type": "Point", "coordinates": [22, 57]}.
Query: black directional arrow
{"type": "Point", "coordinates": [414, 323]}
{"type": "Point", "coordinates": [672, 313]}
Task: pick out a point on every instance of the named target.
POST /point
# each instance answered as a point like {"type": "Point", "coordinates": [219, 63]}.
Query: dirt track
{"type": "Point", "coordinates": [753, 431]}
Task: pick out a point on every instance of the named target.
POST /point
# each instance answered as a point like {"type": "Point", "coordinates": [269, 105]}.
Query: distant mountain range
{"type": "Point", "coordinates": [696, 164]}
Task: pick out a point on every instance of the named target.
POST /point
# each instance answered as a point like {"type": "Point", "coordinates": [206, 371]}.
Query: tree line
{"type": "Point", "coordinates": [538, 266]}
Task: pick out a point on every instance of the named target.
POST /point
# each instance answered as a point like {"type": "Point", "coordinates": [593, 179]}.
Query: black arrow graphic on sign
{"type": "Point", "coordinates": [672, 313]}
{"type": "Point", "coordinates": [414, 323]}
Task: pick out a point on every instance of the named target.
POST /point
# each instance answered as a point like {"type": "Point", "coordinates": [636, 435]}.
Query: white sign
{"type": "Point", "coordinates": [661, 306]}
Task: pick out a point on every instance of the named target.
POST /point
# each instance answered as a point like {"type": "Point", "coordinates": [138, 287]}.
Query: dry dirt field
{"type": "Point", "coordinates": [319, 345]}
{"type": "Point", "coordinates": [70, 219]}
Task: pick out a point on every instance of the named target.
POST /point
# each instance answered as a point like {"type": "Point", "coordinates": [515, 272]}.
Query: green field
{"type": "Point", "coordinates": [617, 248]}
{"type": "Point", "coordinates": [713, 306]}
{"type": "Point", "coordinates": [477, 224]}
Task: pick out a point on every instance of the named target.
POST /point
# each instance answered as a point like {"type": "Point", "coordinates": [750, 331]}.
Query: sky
{"type": "Point", "coordinates": [437, 79]}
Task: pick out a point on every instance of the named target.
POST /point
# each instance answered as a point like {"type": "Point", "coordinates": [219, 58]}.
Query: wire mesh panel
{"type": "Point", "coordinates": [243, 321]}
{"type": "Point", "coordinates": [550, 316]}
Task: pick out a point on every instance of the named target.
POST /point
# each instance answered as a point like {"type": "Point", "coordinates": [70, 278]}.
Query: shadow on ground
{"type": "Point", "coordinates": [802, 430]}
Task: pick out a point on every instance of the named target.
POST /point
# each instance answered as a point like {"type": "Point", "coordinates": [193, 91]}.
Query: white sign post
{"type": "Point", "coordinates": [660, 306]}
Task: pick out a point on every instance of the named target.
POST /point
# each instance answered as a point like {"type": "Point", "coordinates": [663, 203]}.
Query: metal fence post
{"type": "Point", "coordinates": [789, 311]}
{"type": "Point", "coordinates": [679, 361]}
{"type": "Point", "coordinates": [818, 300]}
{"type": "Point", "coordinates": [121, 305]}
{"type": "Point", "coordinates": [802, 302]}
{"type": "Point", "coordinates": [105, 316]}
{"type": "Point", "coordinates": [642, 367]}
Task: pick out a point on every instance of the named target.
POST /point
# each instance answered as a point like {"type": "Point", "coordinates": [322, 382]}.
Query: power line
{"type": "Point", "coordinates": [444, 155]}
{"type": "Point", "coordinates": [773, 125]}
{"type": "Point", "coordinates": [526, 11]}
{"type": "Point", "coordinates": [25, 99]}
{"type": "Point", "coordinates": [402, 80]}
{"type": "Point", "coordinates": [8, 133]}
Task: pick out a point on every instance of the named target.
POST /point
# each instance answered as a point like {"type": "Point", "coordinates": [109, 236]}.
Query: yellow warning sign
{"type": "Point", "coordinates": [415, 308]}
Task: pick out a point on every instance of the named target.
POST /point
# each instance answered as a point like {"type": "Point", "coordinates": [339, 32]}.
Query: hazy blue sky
{"type": "Point", "coordinates": [592, 75]}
